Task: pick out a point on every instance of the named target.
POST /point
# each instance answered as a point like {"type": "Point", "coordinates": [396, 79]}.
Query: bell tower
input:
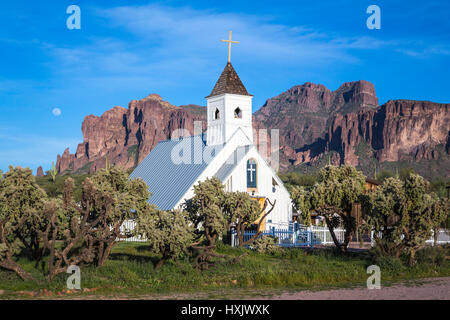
{"type": "Point", "coordinates": [229, 107]}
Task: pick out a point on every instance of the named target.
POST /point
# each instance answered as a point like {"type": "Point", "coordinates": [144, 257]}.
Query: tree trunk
{"type": "Point", "coordinates": [258, 232]}
{"type": "Point", "coordinates": [436, 236]}
{"type": "Point", "coordinates": [106, 253]}
{"type": "Point", "coordinates": [161, 262]}
{"type": "Point", "coordinates": [11, 265]}
{"type": "Point", "coordinates": [333, 235]}
{"type": "Point", "coordinates": [412, 257]}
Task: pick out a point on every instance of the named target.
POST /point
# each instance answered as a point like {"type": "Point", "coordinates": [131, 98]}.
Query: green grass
{"type": "Point", "coordinates": [133, 153]}
{"type": "Point", "coordinates": [130, 272]}
{"type": "Point", "coordinates": [54, 189]}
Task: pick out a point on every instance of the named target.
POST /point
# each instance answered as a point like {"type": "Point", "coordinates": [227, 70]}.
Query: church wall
{"type": "Point", "coordinates": [222, 129]}
{"type": "Point", "coordinates": [232, 124]}
{"type": "Point", "coordinates": [238, 139]}
{"type": "Point", "coordinates": [282, 213]}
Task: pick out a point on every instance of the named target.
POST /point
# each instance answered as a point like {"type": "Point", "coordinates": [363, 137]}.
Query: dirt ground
{"type": "Point", "coordinates": [422, 289]}
{"type": "Point", "coordinates": [425, 289]}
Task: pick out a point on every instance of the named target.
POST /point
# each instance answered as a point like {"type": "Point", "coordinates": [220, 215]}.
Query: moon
{"type": "Point", "coordinates": [56, 112]}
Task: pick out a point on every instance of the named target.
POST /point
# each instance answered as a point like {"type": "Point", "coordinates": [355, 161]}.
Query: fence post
{"type": "Point", "coordinates": [273, 232]}
{"type": "Point", "coordinates": [432, 238]}
{"type": "Point", "coordinates": [232, 238]}
{"type": "Point", "coordinates": [308, 236]}
{"type": "Point", "coordinates": [371, 238]}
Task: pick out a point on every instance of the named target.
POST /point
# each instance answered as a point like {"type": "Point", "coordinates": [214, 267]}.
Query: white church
{"type": "Point", "coordinates": [226, 151]}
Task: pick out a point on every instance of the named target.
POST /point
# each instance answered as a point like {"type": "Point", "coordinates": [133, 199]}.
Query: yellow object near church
{"type": "Point", "coordinates": [261, 201]}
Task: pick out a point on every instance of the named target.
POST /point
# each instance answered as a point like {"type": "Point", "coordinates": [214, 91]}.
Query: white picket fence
{"type": "Point", "coordinates": [443, 238]}
{"type": "Point", "coordinates": [321, 234]}
{"type": "Point", "coordinates": [324, 235]}
{"type": "Point", "coordinates": [129, 226]}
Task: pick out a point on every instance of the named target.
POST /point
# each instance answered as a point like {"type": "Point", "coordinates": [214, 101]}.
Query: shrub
{"type": "Point", "coordinates": [433, 255]}
{"type": "Point", "coordinates": [266, 244]}
{"type": "Point", "coordinates": [332, 197]}
{"type": "Point", "coordinates": [402, 215]}
{"type": "Point", "coordinates": [168, 232]}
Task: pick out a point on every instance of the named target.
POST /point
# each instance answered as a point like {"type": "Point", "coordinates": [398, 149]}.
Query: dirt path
{"type": "Point", "coordinates": [421, 289]}
{"type": "Point", "coordinates": [424, 289]}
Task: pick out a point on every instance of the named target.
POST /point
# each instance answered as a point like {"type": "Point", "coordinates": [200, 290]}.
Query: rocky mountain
{"type": "Point", "coordinates": [345, 126]}
{"type": "Point", "coordinates": [349, 127]}
{"type": "Point", "coordinates": [126, 136]}
{"type": "Point", "coordinates": [304, 113]}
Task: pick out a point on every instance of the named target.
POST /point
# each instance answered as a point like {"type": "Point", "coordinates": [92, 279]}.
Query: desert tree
{"type": "Point", "coordinates": [10, 245]}
{"type": "Point", "coordinates": [23, 201]}
{"type": "Point", "coordinates": [205, 211]}
{"type": "Point", "coordinates": [119, 199]}
{"type": "Point", "coordinates": [241, 211]}
{"type": "Point", "coordinates": [401, 214]}
{"type": "Point", "coordinates": [91, 227]}
{"type": "Point", "coordinates": [439, 214]}
{"type": "Point", "coordinates": [332, 197]}
{"type": "Point", "coordinates": [70, 224]}
{"type": "Point", "coordinates": [169, 233]}
{"type": "Point", "coordinates": [302, 203]}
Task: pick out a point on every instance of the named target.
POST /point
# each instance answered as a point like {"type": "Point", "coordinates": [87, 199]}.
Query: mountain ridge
{"type": "Point", "coordinates": [313, 121]}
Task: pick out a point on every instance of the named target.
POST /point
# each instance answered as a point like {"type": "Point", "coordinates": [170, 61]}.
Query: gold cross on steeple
{"type": "Point", "coordinates": [229, 46]}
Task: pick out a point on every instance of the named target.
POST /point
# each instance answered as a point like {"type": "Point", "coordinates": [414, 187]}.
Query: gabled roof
{"type": "Point", "coordinates": [231, 163]}
{"type": "Point", "coordinates": [229, 82]}
{"type": "Point", "coordinates": [168, 181]}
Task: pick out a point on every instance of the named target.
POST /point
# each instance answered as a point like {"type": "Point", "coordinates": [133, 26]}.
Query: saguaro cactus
{"type": "Point", "coordinates": [53, 172]}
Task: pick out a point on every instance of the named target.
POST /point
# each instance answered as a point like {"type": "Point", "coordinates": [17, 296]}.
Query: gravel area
{"type": "Point", "coordinates": [424, 289]}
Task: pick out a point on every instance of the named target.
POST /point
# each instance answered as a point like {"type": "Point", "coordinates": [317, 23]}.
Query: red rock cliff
{"type": "Point", "coordinates": [126, 136]}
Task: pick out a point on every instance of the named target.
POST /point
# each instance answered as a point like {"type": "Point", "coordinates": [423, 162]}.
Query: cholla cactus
{"type": "Point", "coordinates": [402, 213]}
{"type": "Point", "coordinates": [266, 244]}
{"type": "Point", "coordinates": [169, 233]}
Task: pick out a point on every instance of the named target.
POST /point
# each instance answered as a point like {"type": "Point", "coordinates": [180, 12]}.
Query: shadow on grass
{"type": "Point", "coordinates": [133, 258]}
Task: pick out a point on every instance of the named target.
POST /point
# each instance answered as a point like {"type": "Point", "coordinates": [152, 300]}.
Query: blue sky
{"type": "Point", "coordinates": [127, 50]}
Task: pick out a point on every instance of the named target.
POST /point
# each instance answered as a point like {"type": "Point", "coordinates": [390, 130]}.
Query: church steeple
{"type": "Point", "coordinates": [229, 82]}
{"type": "Point", "coordinates": [229, 107]}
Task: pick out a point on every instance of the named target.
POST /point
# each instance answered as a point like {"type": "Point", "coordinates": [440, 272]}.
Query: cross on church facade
{"type": "Point", "coordinates": [229, 46]}
{"type": "Point", "coordinates": [251, 169]}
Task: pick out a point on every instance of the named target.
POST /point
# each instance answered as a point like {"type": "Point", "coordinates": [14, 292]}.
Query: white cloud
{"type": "Point", "coordinates": [166, 45]}
{"type": "Point", "coordinates": [164, 40]}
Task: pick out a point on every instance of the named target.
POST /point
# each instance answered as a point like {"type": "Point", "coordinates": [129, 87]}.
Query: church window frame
{"type": "Point", "coordinates": [252, 175]}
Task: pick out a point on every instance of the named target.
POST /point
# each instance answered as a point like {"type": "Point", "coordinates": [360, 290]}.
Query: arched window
{"type": "Point", "coordinates": [217, 114]}
{"type": "Point", "coordinates": [238, 113]}
{"type": "Point", "coordinates": [251, 173]}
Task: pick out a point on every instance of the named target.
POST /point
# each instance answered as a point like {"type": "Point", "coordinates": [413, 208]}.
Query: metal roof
{"type": "Point", "coordinates": [232, 162]}
{"type": "Point", "coordinates": [168, 181]}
